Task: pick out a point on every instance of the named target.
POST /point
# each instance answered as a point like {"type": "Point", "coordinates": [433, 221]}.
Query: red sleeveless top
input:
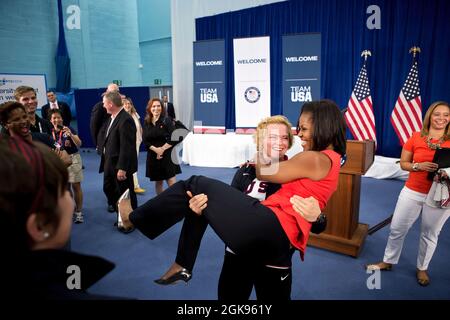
{"type": "Point", "coordinates": [294, 225]}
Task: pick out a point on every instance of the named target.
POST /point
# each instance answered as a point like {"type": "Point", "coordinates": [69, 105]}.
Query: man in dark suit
{"type": "Point", "coordinates": [119, 158]}
{"type": "Point", "coordinates": [168, 107]}
{"type": "Point", "coordinates": [99, 118]}
{"type": "Point", "coordinates": [55, 104]}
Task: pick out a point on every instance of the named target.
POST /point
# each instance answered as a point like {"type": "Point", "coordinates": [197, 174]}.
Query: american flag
{"type": "Point", "coordinates": [359, 116]}
{"type": "Point", "coordinates": [407, 114]}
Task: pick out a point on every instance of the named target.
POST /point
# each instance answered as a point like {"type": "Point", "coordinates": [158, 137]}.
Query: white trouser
{"type": "Point", "coordinates": [135, 180]}
{"type": "Point", "coordinates": [135, 176]}
{"type": "Point", "coordinates": [409, 206]}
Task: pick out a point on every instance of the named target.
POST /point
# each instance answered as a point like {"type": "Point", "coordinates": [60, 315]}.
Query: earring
{"type": "Point", "coordinates": [46, 235]}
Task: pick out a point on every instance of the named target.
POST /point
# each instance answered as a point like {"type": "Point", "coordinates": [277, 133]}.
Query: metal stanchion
{"type": "Point", "coordinates": [380, 225]}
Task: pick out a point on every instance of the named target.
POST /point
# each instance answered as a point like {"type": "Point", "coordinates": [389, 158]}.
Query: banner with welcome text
{"type": "Point", "coordinates": [209, 86]}
{"type": "Point", "coordinates": [251, 80]}
{"type": "Point", "coordinates": [301, 72]}
{"type": "Point", "coordinates": [9, 82]}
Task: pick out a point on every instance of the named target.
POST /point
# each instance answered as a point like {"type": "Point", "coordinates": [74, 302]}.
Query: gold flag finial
{"type": "Point", "coordinates": [414, 51]}
{"type": "Point", "coordinates": [366, 53]}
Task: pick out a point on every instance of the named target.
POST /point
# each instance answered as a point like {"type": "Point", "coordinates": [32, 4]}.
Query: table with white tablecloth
{"type": "Point", "coordinates": [231, 149]}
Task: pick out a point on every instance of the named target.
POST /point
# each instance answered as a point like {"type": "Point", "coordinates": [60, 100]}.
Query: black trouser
{"type": "Point", "coordinates": [242, 222]}
{"type": "Point", "coordinates": [239, 275]}
{"type": "Point", "coordinates": [190, 238]}
{"type": "Point", "coordinates": [114, 188]}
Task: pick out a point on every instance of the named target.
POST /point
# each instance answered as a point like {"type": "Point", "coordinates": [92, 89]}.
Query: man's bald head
{"type": "Point", "coordinates": [112, 87]}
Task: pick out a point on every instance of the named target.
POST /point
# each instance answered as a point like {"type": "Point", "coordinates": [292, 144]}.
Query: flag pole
{"type": "Point", "coordinates": [414, 50]}
{"type": "Point", "coordinates": [359, 114]}
{"type": "Point", "coordinates": [366, 53]}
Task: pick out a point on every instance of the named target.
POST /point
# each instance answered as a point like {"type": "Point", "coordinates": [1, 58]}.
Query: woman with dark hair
{"type": "Point", "coordinates": [239, 275]}
{"type": "Point", "coordinates": [16, 123]}
{"type": "Point", "coordinates": [263, 231]}
{"type": "Point", "coordinates": [157, 138]}
{"type": "Point", "coordinates": [37, 212]}
{"type": "Point", "coordinates": [68, 138]}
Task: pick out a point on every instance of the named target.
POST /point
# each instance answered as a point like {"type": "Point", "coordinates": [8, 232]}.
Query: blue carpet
{"type": "Point", "coordinates": [323, 274]}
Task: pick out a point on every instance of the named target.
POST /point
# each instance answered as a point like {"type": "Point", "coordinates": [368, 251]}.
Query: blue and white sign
{"type": "Point", "coordinates": [251, 80]}
{"type": "Point", "coordinates": [209, 86]}
{"type": "Point", "coordinates": [9, 83]}
{"type": "Point", "coordinates": [301, 72]}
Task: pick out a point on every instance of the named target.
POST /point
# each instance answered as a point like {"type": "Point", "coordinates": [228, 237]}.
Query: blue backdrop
{"type": "Point", "coordinates": [209, 84]}
{"type": "Point", "coordinates": [342, 24]}
{"type": "Point", "coordinates": [62, 59]}
{"type": "Point", "coordinates": [301, 78]}
{"type": "Point", "coordinates": [85, 99]}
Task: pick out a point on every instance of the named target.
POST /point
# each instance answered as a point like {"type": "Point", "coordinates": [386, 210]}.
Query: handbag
{"type": "Point", "coordinates": [179, 125]}
{"type": "Point", "coordinates": [181, 131]}
{"type": "Point", "coordinates": [438, 196]}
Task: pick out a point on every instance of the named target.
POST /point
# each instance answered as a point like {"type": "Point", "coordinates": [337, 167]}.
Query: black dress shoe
{"type": "Point", "coordinates": [182, 275]}
{"type": "Point", "coordinates": [125, 230]}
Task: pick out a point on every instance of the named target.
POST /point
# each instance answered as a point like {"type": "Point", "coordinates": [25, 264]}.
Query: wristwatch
{"type": "Point", "coordinates": [415, 166]}
{"type": "Point", "coordinates": [321, 218]}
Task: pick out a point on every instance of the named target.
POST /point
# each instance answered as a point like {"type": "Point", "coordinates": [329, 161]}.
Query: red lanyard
{"type": "Point", "coordinates": [60, 136]}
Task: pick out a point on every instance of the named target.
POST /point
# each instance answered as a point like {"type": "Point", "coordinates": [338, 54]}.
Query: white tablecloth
{"type": "Point", "coordinates": [222, 150]}
{"type": "Point", "coordinates": [386, 168]}
{"type": "Point", "coordinates": [230, 150]}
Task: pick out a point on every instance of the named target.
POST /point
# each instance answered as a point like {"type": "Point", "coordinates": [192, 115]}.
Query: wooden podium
{"type": "Point", "coordinates": [344, 233]}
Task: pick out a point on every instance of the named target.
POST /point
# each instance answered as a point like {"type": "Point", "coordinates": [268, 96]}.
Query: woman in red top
{"type": "Point", "coordinates": [416, 157]}
{"type": "Point", "coordinates": [262, 231]}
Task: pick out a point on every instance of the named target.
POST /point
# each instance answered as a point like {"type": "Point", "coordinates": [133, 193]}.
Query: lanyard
{"type": "Point", "coordinates": [60, 136]}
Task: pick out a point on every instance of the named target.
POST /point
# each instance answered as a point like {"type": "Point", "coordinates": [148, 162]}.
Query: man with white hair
{"type": "Point", "coordinates": [119, 158]}
{"type": "Point", "coordinates": [99, 118]}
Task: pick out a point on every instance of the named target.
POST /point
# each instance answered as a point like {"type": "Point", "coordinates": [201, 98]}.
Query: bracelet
{"type": "Point", "coordinates": [415, 166]}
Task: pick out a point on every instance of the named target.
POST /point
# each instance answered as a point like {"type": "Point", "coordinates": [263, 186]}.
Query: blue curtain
{"type": "Point", "coordinates": [85, 99]}
{"type": "Point", "coordinates": [62, 59]}
{"type": "Point", "coordinates": [342, 23]}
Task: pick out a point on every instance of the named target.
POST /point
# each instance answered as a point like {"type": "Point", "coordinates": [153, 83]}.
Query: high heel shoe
{"type": "Point", "coordinates": [182, 275]}
{"type": "Point", "coordinates": [382, 266]}
{"type": "Point", "coordinates": [123, 223]}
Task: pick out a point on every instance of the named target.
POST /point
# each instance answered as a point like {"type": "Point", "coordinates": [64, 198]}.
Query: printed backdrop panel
{"type": "Point", "coordinates": [301, 72]}
{"type": "Point", "coordinates": [209, 86]}
{"type": "Point", "coordinates": [251, 80]}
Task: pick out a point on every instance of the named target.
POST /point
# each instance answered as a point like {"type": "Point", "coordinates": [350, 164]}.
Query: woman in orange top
{"type": "Point", "coordinates": [416, 157]}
